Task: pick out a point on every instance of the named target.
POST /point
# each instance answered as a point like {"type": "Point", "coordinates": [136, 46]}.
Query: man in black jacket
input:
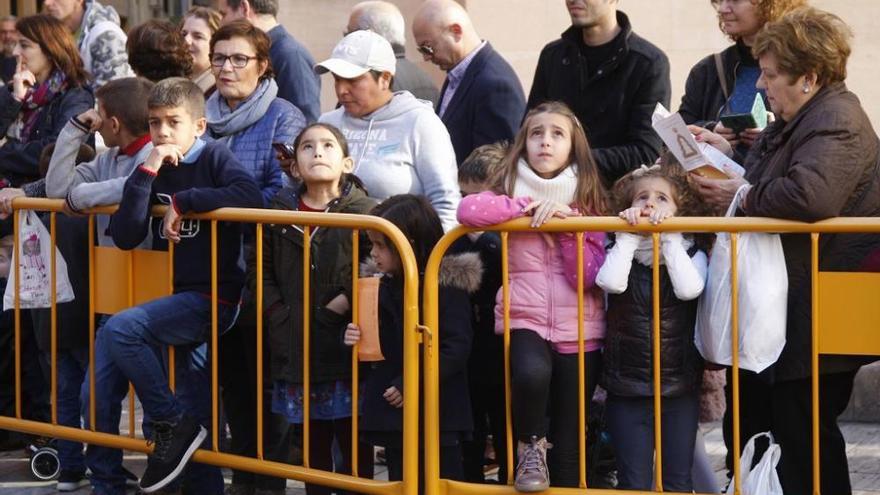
{"type": "Point", "coordinates": [612, 79]}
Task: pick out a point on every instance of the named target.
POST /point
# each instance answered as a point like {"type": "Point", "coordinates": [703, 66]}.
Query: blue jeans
{"type": "Point", "coordinates": [72, 365]}
{"type": "Point", "coordinates": [130, 347]}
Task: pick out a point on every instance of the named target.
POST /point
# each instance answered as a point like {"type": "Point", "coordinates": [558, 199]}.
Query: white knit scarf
{"type": "Point", "coordinates": [561, 188]}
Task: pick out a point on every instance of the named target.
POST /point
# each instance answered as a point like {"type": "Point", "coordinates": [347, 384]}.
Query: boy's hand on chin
{"type": "Point", "coordinates": [163, 154]}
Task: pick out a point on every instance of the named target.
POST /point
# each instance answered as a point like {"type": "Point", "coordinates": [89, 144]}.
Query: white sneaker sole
{"type": "Point", "coordinates": [71, 486]}
{"type": "Point", "coordinates": [200, 437]}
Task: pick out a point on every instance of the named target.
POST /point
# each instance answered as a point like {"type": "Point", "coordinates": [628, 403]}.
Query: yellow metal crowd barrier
{"type": "Point", "coordinates": [121, 279]}
{"type": "Point", "coordinates": [846, 300]}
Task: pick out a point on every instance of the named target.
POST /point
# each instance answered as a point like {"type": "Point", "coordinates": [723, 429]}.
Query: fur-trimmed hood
{"type": "Point", "coordinates": [461, 271]}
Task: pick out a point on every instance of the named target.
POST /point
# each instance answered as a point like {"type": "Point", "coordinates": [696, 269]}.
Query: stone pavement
{"type": "Point", "coordinates": [863, 447]}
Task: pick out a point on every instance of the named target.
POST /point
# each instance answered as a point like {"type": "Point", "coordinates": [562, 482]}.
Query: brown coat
{"type": "Point", "coordinates": [822, 164]}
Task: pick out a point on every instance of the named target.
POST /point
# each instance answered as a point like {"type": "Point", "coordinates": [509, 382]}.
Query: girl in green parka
{"type": "Point", "coordinates": [323, 167]}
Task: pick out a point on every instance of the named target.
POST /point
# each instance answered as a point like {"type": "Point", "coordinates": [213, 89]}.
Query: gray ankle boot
{"type": "Point", "coordinates": [531, 471]}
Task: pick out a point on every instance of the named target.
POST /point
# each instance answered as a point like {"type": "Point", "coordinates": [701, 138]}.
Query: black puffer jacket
{"type": "Point", "coordinates": [628, 353]}
{"type": "Point", "coordinates": [331, 252]}
{"type": "Point", "coordinates": [459, 275]}
{"type": "Point", "coordinates": [616, 104]}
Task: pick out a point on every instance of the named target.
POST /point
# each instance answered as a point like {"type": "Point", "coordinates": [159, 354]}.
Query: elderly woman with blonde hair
{"type": "Point", "coordinates": [723, 83]}
{"type": "Point", "coordinates": [818, 160]}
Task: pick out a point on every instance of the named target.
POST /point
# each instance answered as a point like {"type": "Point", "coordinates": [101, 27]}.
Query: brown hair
{"type": "Point", "coordinates": [157, 50]}
{"type": "Point", "coordinates": [126, 99]}
{"type": "Point", "coordinates": [253, 35]}
{"type": "Point", "coordinates": [590, 193]}
{"type": "Point", "coordinates": [211, 17]}
{"type": "Point", "coordinates": [483, 162]}
{"type": "Point", "coordinates": [178, 92]}
{"type": "Point", "coordinates": [85, 154]}
{"type": "Point", "coordinates": [57, 45]}
{"type": "Point", "coordinates": [688, 201]}
{"type": "Point", "coordinates": [768, 10]}
{"type": "Point", "coordinates": [806, 41]}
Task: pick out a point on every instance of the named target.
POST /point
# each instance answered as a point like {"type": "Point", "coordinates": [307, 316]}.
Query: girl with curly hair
{"type": "Point", "coordinates": [654, 193]}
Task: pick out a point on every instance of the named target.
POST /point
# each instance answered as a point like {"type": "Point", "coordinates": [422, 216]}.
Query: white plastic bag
{"type": "Point", "coordinates": [763, 300]}
{"type": "Point", "coordinates": [763, 479]}
{"type": "Point", "coordinates": [34, 264]}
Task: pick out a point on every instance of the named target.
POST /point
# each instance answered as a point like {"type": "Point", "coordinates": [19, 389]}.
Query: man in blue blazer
{"type": "Point", "coordinates": [482, 100]}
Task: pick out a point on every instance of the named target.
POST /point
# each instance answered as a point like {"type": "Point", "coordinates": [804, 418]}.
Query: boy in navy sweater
{"type": "Point", "coordinates": [190, 176]}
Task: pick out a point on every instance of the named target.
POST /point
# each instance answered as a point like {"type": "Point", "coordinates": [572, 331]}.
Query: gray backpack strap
{"type": "Point", "coordinates": [722, 77]}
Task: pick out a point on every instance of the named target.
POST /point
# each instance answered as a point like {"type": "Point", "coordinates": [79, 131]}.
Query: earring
{"type": "Point", "coordinates": [806, 88]}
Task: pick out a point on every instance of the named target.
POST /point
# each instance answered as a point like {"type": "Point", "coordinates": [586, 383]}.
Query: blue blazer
{"type": "Point", "coordinates": [487, 106]}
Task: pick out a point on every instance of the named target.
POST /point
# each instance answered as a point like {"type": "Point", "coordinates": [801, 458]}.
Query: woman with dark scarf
{"type": "Point", "coordinates": [48, 89]}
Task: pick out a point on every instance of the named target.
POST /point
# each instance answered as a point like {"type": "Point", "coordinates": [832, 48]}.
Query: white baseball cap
{"type": "Point", "coordinates": [358, 53]}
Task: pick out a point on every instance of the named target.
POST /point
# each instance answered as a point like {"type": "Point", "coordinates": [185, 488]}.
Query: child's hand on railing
{"type": "Point", "coordinates": [352, 335]}
{"type": "Point", "coordinates": [393, 396]}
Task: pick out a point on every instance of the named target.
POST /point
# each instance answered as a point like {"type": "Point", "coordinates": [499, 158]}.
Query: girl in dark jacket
{"type": "Point", "coordinates": [655, 193]}
{"type": "Point", "coordinates": [382, 421]}
{"type": "Point", "coordinates": [323, 165]}
{"type": "Point", "coordinates": [48, 89]}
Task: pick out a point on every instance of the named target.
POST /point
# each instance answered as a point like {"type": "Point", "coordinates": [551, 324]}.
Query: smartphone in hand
{"type": "Point", "coordinates": [285, 150]}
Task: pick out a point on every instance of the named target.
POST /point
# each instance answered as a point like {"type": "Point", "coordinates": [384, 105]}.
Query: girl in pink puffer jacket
{"type": "Point", "coordinates": [548, 172]}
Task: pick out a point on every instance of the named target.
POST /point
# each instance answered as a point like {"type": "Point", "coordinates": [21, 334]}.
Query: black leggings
{"type": "Point", "coordinates": [545, 383]}
{"type": "Point", "coordinates": [321, 436]}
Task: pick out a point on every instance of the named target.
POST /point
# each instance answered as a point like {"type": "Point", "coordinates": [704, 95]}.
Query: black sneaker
{"type": "Point", "coordinates": [173, 445]}
{"type": "Point", "coordinates": [70, 481]}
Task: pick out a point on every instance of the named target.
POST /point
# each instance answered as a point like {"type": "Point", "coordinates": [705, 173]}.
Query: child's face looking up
{"type": "Point", "coordinates": [384, 256]}
{"type": "Point", "coordinates": [175, 125]}
{"type": "Point", "coordinates": [548, 143]}
{"type": "Point", "coordinates": [654, 193]}
{"type": "Point", "coordinates": [319, 158]}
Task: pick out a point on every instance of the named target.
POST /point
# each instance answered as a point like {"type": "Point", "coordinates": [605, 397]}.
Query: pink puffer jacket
{"type": "Point", "coordinates": [543, 276]}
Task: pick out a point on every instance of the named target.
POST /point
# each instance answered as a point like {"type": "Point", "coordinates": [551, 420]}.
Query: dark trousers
{"type": "Point", "coordinates": [545, 383]}
{"type": "Point", "coordinates": [322, 434]}
{"type": "Point", "coordinates": [450, 464]}
{"type": "Point", "coordinates": [785, 409]}
{"type": "Point", "coordinates": [238, 375]}
{"type": "Point", "coordinates": [487, 404]}
{"type": "Point", "coordinates": [755, 393]}
{"type": "Point", "coordinates": [34, 370]}
{"type": "Point", "coordinates": [630, 423]}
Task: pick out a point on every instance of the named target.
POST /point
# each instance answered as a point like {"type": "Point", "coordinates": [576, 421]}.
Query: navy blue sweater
{"type": "Point", "coordinates": [214, 179]}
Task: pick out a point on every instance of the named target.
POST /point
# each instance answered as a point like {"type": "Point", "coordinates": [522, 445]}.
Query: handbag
{"type": "Point", "coordinates": [33, 257]}
{"type": "Point", "coordinates": [763, 300]}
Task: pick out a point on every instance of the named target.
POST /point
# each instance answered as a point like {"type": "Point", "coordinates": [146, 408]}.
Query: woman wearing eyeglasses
{"type": "Point", "coordinates": [246, 113]}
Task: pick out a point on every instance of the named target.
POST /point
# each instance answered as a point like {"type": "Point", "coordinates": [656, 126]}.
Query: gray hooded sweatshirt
{"type": "Point", "coordinates": [403, 148]}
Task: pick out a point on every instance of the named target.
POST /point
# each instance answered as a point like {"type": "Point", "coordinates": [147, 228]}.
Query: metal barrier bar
{"type": "Point", "coordinates": [16, 232]}
{"type": "Point", "coordinates": [53, 321]}
{"type": "Point", "coordinates": [171, 353]}
{"type": "Point", "coordinates": [307, 309]}
{"type": "Point", "coordinates": [734, 337]}
{"type": "Point", "coordinates": [355, 363]}
{"type": "Point", "coordinates": [259, 311]}
{"type": "Point", "coordinates": [215, 356]}
{"type": "Point", "coordinates": [814, 358]}
{"type": "Point", "coordinates": [655, 352]}
{"type": "Point", "coordinates": [91, 370]}
{"type": "Point", "coordinates": [505, 277]}
{"type": "Point", "coordinates": [582, 409]}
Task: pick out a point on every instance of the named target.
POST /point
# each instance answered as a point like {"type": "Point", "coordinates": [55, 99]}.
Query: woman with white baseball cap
{"type": "Point", "coordinates": [399, 144]}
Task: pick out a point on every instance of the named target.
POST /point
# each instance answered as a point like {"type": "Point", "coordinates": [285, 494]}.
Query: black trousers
{"type": "Point", "coordinates": [785, 409]}
{"type": "Point", "coordinates": [487, 404]}
{"type": "Point", "coordinates": [630, 422]}
{"type": "Point", "coordinates": [544, 383]}
{"type": "Point", "coordinates": [238, 377]}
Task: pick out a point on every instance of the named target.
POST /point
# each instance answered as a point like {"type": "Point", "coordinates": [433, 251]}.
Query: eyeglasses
{"type": "Point", "coordinates": [237, 60]}
{"type": "Point", "coordinates": [426, 49]}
